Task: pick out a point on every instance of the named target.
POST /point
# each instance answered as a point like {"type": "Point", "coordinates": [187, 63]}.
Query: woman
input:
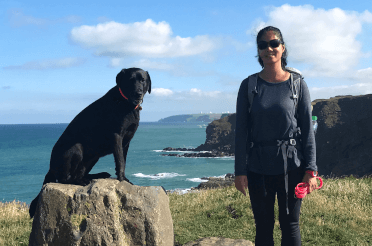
{"type": "Point", "coordinates": [268, 169]}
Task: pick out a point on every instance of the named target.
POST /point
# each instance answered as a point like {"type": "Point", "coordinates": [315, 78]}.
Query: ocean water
{"type": "Point", "coordinates": [25, 154]}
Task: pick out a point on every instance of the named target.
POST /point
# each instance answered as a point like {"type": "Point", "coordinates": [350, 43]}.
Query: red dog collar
{"type": "Point", "coordinates": [127, 98]}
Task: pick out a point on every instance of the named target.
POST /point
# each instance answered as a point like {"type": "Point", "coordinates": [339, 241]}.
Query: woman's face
{"type": "Point", "coordinates": [271, 55]}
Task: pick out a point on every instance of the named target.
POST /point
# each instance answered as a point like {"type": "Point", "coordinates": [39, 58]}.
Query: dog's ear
{"type": "Point", "coordinates": [149, 81]}
{"type": "Point", "coordinates": [120, 76]}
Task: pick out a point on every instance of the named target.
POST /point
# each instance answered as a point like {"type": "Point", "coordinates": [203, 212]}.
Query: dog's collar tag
{"type": "Point", "coordinates": [127, 99]}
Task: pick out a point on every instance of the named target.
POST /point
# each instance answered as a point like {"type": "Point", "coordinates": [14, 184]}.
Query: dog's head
{"type": "Point", "coordinates": [134, 83]}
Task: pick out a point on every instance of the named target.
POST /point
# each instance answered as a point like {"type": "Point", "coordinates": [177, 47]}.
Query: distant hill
{"type": "Point", "coordinates": [194, 118]}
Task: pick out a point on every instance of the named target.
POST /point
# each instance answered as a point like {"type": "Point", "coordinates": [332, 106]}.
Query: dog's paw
{"type": "Point", "coordinates": [82, 182]}
{"type": "Point", "coordinates": [123, 178]}
{"type": "Point", "coordinates": [103, 175]}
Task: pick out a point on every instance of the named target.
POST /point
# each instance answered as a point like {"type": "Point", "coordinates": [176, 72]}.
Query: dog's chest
{"type": "Point", "coordinates": [129, 124]}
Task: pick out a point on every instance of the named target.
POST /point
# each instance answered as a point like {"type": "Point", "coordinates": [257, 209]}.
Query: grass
{"type": "Point", "coordinates": [15, 223]}
{"type": "Point", "coordinates": [338, 214]}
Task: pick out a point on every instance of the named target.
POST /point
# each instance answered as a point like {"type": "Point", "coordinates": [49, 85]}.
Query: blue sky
{"type": "Point", "coordinates": [57, 57]}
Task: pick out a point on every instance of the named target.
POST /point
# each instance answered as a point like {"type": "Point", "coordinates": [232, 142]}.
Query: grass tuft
{"type": "Point", "coordinates": [15, 223]}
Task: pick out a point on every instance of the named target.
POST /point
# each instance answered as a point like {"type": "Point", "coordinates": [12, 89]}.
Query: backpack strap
{"type": "Point", "coordinates": [295, 80]}
{"type": "Point", "coordinates": [296, 76]}
{"type": "Point", "coordinates": [252, 89]}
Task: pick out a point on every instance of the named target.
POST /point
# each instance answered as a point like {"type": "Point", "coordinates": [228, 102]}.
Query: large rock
{"type": "Point", "coordinates": [344, 136]}
{"type": "Point", "coordinates": [219, 141]}
{"type": "Point", "coordinates": [105, 212]}
{"type": "Point", "coordinates": [214, 182]}
{"type": "Point", "coordinates": [219, 241]}
{"type": "Point", "coordinates": [220, 135]}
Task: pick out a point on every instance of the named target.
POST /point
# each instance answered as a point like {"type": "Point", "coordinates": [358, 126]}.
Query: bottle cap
{"type": "Point", "coordinates": [315, 118]}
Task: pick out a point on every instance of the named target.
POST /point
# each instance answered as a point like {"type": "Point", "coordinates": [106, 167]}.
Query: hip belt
{"type": "Point", "coordinates": [287, 147]}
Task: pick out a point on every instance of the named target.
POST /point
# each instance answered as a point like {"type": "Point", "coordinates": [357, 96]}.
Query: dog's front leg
{"type": "Point", "coordinates": [120, 154]}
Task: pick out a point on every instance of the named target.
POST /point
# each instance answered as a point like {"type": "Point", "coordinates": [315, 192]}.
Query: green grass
{"type": "Point", "coordinates": [15, 223]}
{"type": "Point", "coordinates": [338, 214]}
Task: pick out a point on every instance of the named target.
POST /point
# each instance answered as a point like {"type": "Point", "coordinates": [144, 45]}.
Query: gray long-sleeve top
{"type": "Point", "coordinates": [272, 118]}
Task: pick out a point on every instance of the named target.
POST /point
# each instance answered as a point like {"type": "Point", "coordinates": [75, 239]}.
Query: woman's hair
{"type": "Point", "coordinates": [280, 36]}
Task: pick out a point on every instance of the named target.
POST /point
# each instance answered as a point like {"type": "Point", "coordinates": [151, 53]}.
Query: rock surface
{"type": "Point", "coordinates": [214, 183]}
{"type": "Point", "coordinates": [105, 212]}
{"type": "Point", "coordinates": [219, 241]}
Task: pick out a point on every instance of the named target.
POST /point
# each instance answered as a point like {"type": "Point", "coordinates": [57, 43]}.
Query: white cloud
{"type": "Point", "coordinates": [192, 94]}
{"type": "Point", "coordinates": [18, 19]}
{"type": "Point", "coordinates": [161, 92]}
{"type": "Point", "coordinates": [115, 62]}
{"type": "Point", "coordinates": [146, 39]}
{"type": "Point", "coordinates": [324, 39]}
{"type": "Point", "coordinates": [327, 92]}
{"type": "Point", "coordinates": [195, 91]}
{"type": "Point", "coordinates": [49, 64]}
{"type": "Point", "coordinates": [365, 74]}
{"type": "Point", "coordinates": [147, 64]}
{"type": "Point", "coordinates": [199, 93]}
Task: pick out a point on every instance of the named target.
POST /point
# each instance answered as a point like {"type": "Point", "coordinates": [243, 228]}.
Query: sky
{"type": "Point", "coordinates": [57, 57]}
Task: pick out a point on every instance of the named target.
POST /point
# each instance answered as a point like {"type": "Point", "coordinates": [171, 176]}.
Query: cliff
{"type": "Point", "coordinates": [343, 139]}
{"type": "Point", "coordinates": [220, 136]}
{"type": "Point", "coordinates": [193, 118]}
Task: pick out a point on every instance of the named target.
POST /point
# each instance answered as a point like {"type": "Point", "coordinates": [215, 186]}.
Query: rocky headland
{"type": "Point", "coordinates": [219, 140]}
{"type": "Point", "coordinates": [343, 138]}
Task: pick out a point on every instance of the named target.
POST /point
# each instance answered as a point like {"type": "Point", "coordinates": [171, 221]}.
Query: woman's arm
{"type": "Point", "coordinates": [307, 134]}
{"type": "Point", "coordinates": [307, 130]}
{"type": "Point", "coordinates": [241, 130]}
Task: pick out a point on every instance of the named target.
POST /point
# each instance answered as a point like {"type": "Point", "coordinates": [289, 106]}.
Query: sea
{"type": "Point", "coordinates": [25, 151]}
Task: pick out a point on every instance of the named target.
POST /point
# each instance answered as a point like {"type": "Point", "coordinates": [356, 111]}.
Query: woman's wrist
{"type": "Point", "coordinates": [312, 173]}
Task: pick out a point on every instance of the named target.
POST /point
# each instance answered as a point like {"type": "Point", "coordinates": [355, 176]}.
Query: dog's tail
{"type": "Point", "coordinates": [48, 179]}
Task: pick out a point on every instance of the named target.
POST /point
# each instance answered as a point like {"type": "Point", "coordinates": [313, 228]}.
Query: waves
{"type": "Point", "coordinates": [158, 175]}
{"type": "Point", "coordinates": [181, 152]}
{"type": "Point", "coordinates": [174, 175]}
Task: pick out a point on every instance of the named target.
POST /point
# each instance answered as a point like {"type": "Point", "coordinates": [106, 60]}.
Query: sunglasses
{"type": "Point", "coordinates": [273, 44]}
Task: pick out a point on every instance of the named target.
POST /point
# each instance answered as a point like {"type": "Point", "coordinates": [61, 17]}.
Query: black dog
{"type": "Point", "coordinates": [104, 127]}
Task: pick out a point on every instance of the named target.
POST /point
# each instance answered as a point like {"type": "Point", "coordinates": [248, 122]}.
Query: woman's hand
{"type": "Point", "coordinates": [241, 183]}
{"type": "Point", "coordinates": [308, 178]}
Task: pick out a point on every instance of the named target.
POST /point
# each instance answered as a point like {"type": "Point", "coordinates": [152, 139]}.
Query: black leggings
{"type": "Point", "coordinates": [262, 190]}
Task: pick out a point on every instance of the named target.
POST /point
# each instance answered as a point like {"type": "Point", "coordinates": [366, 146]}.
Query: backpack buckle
{"type": "Point", "coordinates": [292, 141]}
